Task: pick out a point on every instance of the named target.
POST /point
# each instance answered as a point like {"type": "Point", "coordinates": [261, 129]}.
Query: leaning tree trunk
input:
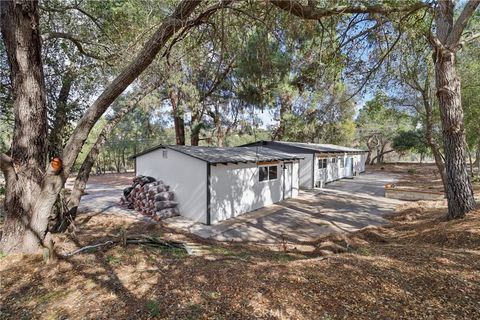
{"type": "Point", "coordinates": [459, 188]}
{"type": "Point", "coordinates": [63, 219]}
{"type": "Point", "coordinates": [437, 155]}
{"type": "Point", "coordinates": [379, 157]}
{"type": "Point", "coordinates": [60, 118]}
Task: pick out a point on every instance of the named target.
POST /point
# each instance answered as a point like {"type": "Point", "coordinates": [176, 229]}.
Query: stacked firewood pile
{"type": "Point", "coordinates": [150, 197]}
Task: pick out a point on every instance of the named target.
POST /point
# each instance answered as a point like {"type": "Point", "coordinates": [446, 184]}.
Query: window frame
{"type": "Point", "coordinates": [260, 169]}
{"type": "Point", "coordinates": [268, 168]}
{"type": "Point", "coordinates": [322, 163]}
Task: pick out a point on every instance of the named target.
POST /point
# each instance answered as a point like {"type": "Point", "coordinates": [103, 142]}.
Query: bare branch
{"type": "Point", "coordinates": [311, 13]}
{"type": "Point", "coordinates": [76, 7]}
{"type": "Point", "coordinates": [471, 37]}
{"type": "Point", "coordinates": [200, 19]}
{"type": "Point", "coordinates": [457, 30]}
{"type": "Point", "coordinates": [77, 42]}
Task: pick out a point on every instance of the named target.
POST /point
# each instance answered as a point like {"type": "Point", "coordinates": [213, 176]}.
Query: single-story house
{"type": "Point", "coordinates": [214, 184]}
{"type": "Point", "coordinates": [321, 163]}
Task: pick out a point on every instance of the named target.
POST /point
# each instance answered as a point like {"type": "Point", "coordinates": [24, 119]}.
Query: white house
{"type": "Point", "coordinates": [321, 163]}
{"type": "Point", "coordinates": [215, 184]}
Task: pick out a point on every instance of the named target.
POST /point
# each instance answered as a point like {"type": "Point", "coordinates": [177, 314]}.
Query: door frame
{"type": "Point", "coordinates": [284, 178]}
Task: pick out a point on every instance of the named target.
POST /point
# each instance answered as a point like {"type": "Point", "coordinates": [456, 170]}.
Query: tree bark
{"type": "Point", "coordinates": [379, 156]}
{"type": "Point", "coordinates": [60, 119]}
{"type": "Point", "coordinates": [196, 125]}
{"type": "Point", "coordinates": [178, 118]}
{"type": "Point", "coordinates": [470, 160]}
{"type": "Point", "coordinates": [437, 155]}
{"type": "Point", "coordinates": [285, 108]}
{"type": "Point", "coordinates": [459, 188]}
{"type": "Point", "coordinates": [25, 168]}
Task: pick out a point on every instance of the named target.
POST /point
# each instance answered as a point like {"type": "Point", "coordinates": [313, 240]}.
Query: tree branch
{"type": "Point", "coordinates": [471, 37]}
{"type": "Point", "coordinates": [147, 54]}
{"type": "Point", "coordinates": [6, 166]}
{"type": "Point", "coordinates": [311, 13]}
{"type": "Point", "coordinates": [454, 37]}
{"type": "Point", "coordinates": [77, 42]}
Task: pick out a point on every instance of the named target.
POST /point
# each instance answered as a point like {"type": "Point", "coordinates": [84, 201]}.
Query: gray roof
{"type": "Point", "coordinates": [309, 146]}
{"type": "Point", "coordinates": [321, 147]}
{"type": "Point", "coordinates": [215, 155]}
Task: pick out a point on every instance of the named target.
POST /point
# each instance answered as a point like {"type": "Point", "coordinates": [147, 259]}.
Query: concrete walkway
{"type": "Point", "coordinates": [105, 198]}
{"type": "Point", "coordinates": [343, 206]}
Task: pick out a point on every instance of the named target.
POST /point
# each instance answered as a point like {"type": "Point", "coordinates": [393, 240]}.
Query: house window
{"type": "Point", "coordinates": [272, 172]}
{"type": "Point", "coordinates": [263, 173]}
{"type": "Point", "coordinates": [342, 162]}
{"type": "Point", "coordinates": [334, 160]}
{"type": "Point", "coordinates": [322, 163]}
{"type": "Point", "coordinates": [164, 154]}
{"type": "Point", "coordinates": [267, 173]}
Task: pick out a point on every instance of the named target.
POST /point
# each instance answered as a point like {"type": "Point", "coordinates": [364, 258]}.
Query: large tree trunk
{"type": "Point", "coordinates": [285, 108]}
{"type": "Point", "coordinates": [196, 126]}
{"type": "Point", "coordinates": [32, 190]}
{"type": "Point", "coordinates": [437, 155]}
{"type": "Point", "coordinates": [459, 188]}
{"type": "Point", "coordinates": [24, 170]}
{"type": "Point", "coordinates": [379, 156]}
{"type": "Point", "coordinates": [56, 137]}
{"type": "Point", "coordinates": [178, 119]}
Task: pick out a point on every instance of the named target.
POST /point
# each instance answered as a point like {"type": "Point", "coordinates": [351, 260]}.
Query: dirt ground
{"type": "Point", "coordinates": [418, 176]}
{"type": "Point", "coordinates": [420, 266]}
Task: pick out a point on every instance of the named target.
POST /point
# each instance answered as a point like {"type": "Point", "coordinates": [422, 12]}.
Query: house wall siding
{"type": "Point", "coordinates": [305, 173]}
{"type": "Point", "coordinates": [236, 189]}
{"type": "Point", "coordinates": [186, 176]}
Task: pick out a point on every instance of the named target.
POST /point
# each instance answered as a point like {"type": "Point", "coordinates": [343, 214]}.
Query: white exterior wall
{"type": "Point", "coordinates": [186, 176]}
{"type": "Point", "coordinates": [341, 171]}
{"type": "Point", "coordinates": [296, 179]}
{"type": "Point", "coordinates": [306, 170]}
{"type": "Point", "coordinates": [236, 189]}
{"type": "Point", "coordinates": [363, 158]}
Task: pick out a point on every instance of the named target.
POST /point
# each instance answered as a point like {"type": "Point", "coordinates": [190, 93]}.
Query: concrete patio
{"type": "Point", "coordinates": [343, 206]}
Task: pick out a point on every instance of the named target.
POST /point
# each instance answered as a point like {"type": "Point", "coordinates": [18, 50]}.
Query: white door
{"type": "Point", "coordinates": [333, 169]}
{"type": "Point", "coordinates": [349, 167]}
{"type": "Point", "coordinates": [322, 174]}
{"type": "Point", "coordinates": [287, 180]}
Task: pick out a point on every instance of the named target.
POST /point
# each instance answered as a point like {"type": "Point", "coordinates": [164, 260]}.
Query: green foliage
{"type": "Point", "coordinates": [378, 124]}
{"type": "Point", "coordinates": [412, 140]}
{"type": "Point", "coordinates": [261, 68]}
{"type": "Point", "coordinates": [469, 71]}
